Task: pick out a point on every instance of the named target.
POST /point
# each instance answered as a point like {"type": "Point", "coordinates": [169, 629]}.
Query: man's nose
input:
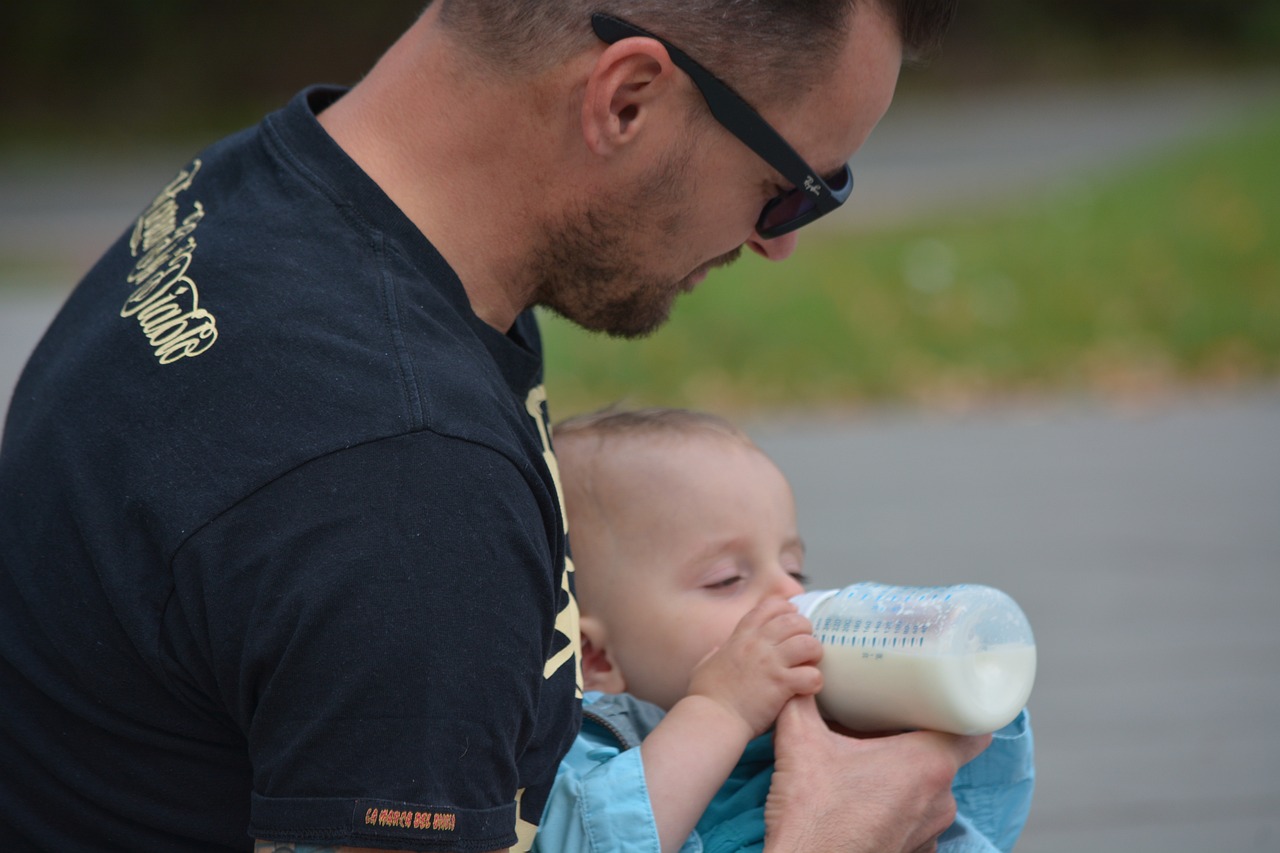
{"type": "Point", "coordinates": [775, 248]}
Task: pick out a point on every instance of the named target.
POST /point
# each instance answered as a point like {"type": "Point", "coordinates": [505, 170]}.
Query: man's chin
{"type": "Point", "coordinates": [640, 315]}
{"type": "Point", "coordinates": [636, 326]}
{"type": "Point", "coordinates": [694, 279]}
{"type": "Point", "coordinates": [631, 324]}
{"type": "Point", "coordinates": [699, 275]}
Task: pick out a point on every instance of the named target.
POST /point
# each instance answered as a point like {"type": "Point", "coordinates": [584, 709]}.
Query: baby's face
{"type": "Point", "coordinates": [704, 530]}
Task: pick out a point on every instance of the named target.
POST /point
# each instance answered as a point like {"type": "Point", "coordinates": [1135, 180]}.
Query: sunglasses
{"type": "Point", "coordinates": [811, 196]}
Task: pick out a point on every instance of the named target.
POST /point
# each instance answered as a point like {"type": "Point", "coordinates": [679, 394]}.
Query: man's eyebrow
{"type": "Point", "coordinates": [834, 171]}
{"type": "Point", "coordinates": [826, 174]}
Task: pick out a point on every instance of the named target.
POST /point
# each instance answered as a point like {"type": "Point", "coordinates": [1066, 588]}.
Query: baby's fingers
{"type": "Point", "coordinates": [799, 649]}
{"type": "Point", "coordinates": [765, 613]}
{"type": "Point", "coordinates": [803, 680]}
{"type": "Point", "coordinates": [785, 625]}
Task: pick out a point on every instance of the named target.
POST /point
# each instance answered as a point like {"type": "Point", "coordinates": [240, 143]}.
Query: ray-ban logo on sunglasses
{"type": "Point", "coordinates": [811, 185]}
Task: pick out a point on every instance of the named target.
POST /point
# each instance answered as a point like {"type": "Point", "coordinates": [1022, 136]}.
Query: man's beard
{"type": "Point", "coordinates": [586, 271]}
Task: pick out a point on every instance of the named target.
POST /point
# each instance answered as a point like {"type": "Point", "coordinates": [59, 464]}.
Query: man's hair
{"type": "Point", "coordinates": [764, 49]}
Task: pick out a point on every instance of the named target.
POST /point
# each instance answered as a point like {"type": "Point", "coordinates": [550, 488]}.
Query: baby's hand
{"type": "Point", "coordinates": [771, 656]}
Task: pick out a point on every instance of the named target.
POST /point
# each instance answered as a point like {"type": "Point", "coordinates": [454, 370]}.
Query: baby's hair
{"type": "Point", "coordinates": [651, 422]}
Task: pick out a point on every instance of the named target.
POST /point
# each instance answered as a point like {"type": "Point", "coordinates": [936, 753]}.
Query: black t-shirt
{"type": "Point", "coordinates": [281, 547]}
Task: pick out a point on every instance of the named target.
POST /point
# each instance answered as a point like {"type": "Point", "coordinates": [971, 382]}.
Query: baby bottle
{"type": "Point", "coordinates": [955, 659]}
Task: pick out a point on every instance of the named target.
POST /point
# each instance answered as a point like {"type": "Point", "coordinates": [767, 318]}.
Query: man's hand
{"type": "Point", "coordinates": [832, 792]}
{"type": "Point", "coordinates": [735, 694]}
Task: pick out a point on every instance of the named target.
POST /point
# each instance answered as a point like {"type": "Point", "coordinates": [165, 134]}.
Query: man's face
{"type": "Point", "coordinates": [618, 266]}
{"type": "Point", "coordinates": [595, 269]}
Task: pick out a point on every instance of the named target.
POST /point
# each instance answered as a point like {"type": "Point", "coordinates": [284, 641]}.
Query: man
{"type": "Point", "coordinates": [283, 553]}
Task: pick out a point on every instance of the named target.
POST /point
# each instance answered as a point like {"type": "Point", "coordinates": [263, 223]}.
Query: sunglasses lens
{"type": "Point", "coordinates": [841, 184]}
{"type": "Point", "coordinates": [788, 207]}
{"type": "Point", "coordinates": [796, 207]}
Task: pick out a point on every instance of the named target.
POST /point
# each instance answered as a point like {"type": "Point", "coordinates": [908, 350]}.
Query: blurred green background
{"type": "Point", "coordinates": [1149, 279]}
{"type": "Point", "coordinates": [1124, 286]}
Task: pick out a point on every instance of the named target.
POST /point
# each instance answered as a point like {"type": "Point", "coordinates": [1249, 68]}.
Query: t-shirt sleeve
{"type": "Point", "coordinates": [376, 624]}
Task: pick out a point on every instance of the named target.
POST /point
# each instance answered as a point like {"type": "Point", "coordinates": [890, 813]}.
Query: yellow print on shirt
{"type": "Point", "coordinates": [165, 300]}
{"type": "Point", "coordinates": [567, 618]}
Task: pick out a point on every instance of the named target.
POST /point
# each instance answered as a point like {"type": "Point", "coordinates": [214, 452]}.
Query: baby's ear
{"type": "Point", "coordinates": [598, 669]}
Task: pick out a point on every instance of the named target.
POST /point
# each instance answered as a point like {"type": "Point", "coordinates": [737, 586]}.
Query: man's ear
{"type": "Point", "coordinates": [626, 82]}
{"type": "Point", "coordinates": [599, 672]}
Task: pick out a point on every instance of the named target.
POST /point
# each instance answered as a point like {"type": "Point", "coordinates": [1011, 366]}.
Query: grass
{"type": "Point", "coordinates": [1165, 276]}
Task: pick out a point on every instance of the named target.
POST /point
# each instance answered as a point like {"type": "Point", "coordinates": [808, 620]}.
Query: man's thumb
{"type": "Point", "coordinates": [799, 717]}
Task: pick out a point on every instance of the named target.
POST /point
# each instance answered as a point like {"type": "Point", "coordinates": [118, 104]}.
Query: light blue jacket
{"type": "Point", "coordinates": [599, 802]}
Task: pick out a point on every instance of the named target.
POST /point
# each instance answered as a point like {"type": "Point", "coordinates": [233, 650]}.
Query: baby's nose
{"type": "Point", "coordinates": [788, 586]}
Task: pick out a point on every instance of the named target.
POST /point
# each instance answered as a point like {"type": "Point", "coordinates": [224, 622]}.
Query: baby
{"type": "Point", "coordinates": [686, 551]}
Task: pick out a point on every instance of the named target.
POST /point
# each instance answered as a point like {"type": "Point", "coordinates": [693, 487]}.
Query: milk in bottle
{"type": "Point", "coordinates": [956, 659]}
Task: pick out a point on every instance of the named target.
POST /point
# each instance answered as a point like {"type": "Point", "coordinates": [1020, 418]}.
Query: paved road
{"type": "Point", "coordinates": [988, 146]}
{"type": "Point", "coordinates": [1144, 544]}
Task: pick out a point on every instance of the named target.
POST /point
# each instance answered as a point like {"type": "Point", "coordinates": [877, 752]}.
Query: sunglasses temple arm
{"type": "Point", "coordinates": [737, 116]}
